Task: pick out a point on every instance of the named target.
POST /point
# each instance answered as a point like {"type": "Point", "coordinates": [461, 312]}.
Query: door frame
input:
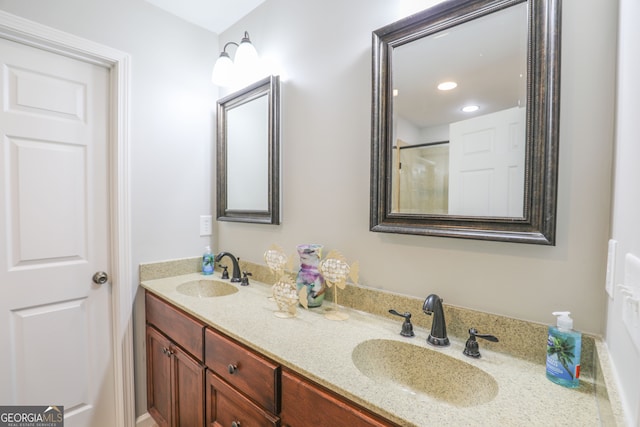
{"type": "Point", "coordinates": [118, 63]}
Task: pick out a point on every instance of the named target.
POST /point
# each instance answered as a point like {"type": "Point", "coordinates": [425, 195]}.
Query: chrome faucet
{"type": "Point", "coordinates": [235, 274]}
{"type": "Point", "coordinates": [438, 336]}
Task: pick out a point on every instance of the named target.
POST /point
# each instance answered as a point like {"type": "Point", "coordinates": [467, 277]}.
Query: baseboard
{"type": "Point", "coordinates": [145, 420]}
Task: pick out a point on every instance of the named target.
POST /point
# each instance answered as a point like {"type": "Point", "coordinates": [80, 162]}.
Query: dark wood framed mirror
{"type": "Point", "coordinates": [500, 172]}
{"type": "Point", "coordinates": [248, 154]}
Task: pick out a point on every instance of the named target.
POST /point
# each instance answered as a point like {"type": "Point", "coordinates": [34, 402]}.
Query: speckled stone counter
{"type": "Point", "coordinates": [322, 350]}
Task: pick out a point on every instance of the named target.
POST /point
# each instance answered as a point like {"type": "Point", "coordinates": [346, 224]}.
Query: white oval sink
{"type": "Point", "coordinates": [204, 288]}
{"type": "Point", "coordinates": [425, 371]}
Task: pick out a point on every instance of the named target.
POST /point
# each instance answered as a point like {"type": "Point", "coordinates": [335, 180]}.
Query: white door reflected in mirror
{"type": "Point", "coordinates": [486, 165]}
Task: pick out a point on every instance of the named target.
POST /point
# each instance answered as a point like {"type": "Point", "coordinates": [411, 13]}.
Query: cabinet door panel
{"type": "Point", "coordinates": [158, 377]}
{"type": "Point", "coordinates": [306, 404]}
{"type": "Point", "coordinates": [188, 390]}
{"type": "Point", "coordinates": [226, 406]}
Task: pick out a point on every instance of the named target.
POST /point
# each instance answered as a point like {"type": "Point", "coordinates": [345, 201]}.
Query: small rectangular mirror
{"type": "Point", "coordinates": [248, 154]}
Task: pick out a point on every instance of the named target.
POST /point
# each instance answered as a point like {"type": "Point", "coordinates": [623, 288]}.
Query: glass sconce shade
{"type": "Point", "coordinates": [246, 55]}
{"type": "Point", "coordinates": [222, 70]}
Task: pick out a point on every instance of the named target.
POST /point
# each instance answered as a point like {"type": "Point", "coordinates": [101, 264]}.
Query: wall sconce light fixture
{"type": "Point", "coordinates": [243, 69]}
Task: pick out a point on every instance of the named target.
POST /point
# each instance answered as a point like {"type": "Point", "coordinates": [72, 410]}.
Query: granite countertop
{"type": "Point", "coordinates": [321, 349]}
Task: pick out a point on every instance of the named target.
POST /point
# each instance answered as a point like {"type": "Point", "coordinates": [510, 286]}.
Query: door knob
{"type": "Point", "coordinates": [100, 278]}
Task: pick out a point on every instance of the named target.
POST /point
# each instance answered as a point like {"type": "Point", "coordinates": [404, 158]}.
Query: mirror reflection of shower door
{"type": "Point", "coordinates": [422, 178]}
{"type": "Point", "coordinates": [395, 182]}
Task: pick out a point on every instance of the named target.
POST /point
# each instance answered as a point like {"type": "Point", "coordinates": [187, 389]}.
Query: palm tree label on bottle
{"type": "Point", "coordinates": [561, 356]}
{"type": "Point", "coordinates": [207, 262]}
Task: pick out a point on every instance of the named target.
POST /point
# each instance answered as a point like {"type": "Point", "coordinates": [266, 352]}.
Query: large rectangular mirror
{"type": "Point", "coordinates": [248, 154]}
{"type": "Point", "coordinates": [477, 157]}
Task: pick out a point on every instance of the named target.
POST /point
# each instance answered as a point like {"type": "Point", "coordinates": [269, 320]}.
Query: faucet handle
{"type": "Point", "coordinates": [471, 348]}
{"type": "Point", "coordinates": [245, 278]}
{"type": "Point", "coordinates": [407, 327]}
{"type": "Point", "coordinates": [225, 273]}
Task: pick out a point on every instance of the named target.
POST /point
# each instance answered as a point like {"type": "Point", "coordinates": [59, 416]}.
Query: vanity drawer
{"type": "Point", "coordinates": [250, 373]}
{"type": "Point", "coordinates": [226, 407]}
{"type": "Point", "coordinates": [305, 403]}
{"type": "Point", "coordinates": [183, 329]}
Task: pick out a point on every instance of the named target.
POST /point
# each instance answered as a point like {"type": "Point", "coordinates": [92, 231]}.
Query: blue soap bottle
{"type": "Point", "coordinates": [207, 261]}
{"type": "Point", "coordinates": [563, 352]}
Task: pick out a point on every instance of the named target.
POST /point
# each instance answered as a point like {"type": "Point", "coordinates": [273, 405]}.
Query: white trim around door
{"type": "Point", "coordinates": [24, 31]}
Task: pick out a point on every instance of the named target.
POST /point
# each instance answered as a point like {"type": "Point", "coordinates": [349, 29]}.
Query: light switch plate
{"type": "Point", "coordinates": [205, 225]}
{"type": "Point", "coordinates": [611, 267]}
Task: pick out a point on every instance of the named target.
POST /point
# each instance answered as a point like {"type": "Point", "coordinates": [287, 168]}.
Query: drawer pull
{"type": "Point", "coordinates": [232, 370]}
{"type": "Point", "coordinates": [235, 424]}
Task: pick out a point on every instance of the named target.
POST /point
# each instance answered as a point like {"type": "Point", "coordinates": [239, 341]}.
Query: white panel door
{"type": "Point", "coordinates": [55, 322]}
{"type": "Point", "coordinates": [486, 165]}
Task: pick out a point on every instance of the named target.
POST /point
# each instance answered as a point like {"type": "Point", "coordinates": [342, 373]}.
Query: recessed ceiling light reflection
{"type": "Point", "coordinates": [470, 108]}
{"type": "Point", "coordinates": [447, 85]}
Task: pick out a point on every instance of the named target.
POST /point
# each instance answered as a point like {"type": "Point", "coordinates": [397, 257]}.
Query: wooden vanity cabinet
{"type": "Point", "coordinates": [175, 372]}
{"type": "Point", "coordinates": [307, 404]}
{"type": "Point", "coordinates": [242, 386]}
{"type": "Point", "coordinates": [197, 376]}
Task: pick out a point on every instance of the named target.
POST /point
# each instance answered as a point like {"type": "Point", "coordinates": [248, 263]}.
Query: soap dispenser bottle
{"type": "Point", "coordinates": [207, 261]}
{"type": "Point", "coordinates": [563, 352]}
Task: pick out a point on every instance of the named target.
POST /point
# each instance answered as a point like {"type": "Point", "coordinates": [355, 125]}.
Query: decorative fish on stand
{"type": "Point", "coordinates": [335, 270]}
{"type": "Point", "coordinates": [284, 291]}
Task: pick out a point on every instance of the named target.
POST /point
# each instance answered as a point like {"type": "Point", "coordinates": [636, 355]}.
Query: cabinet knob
{"type": "Point", "coordinates": [235, 424]}
{"type": "Point", "coordinates": [232, 370]}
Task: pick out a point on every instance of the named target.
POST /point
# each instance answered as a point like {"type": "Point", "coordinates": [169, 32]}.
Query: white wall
{"type": "Point", "coordinates": [172, 123]}
{"type": "Point", "coordinates": [626, 206]}
{"type": "Point", "coordinates": [323, 48]}
{"type": "Point", "coordinates": [406, 132]}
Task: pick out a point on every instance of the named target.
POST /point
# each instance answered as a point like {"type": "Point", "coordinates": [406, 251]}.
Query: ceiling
{"type": "Point", "coordinates": [214, 15]}
{"type": "Point", "coordinates": [489, 66]}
